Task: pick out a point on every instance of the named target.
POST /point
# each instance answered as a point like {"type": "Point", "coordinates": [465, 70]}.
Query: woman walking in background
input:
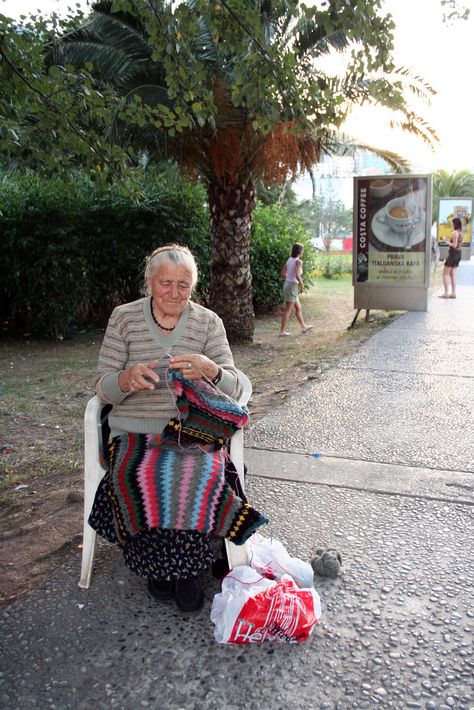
{"type": "Point", "coordinates": [293, 283]}
{"type": "Point", "coordinates": [453, 259]}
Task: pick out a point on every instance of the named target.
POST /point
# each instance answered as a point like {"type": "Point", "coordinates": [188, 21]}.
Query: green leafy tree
{"type": "Point", "coordinates": [325, 218]}
{"type": "Point", "coordinates": [52, 118]}
{"type": "Point", "coordinates": [284, 196]}
{"type": "Point", "coordinates": [236, 91]}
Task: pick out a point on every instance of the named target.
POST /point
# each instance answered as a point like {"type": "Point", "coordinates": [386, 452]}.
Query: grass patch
{"type": "Point", "coordinates": [328, 306]}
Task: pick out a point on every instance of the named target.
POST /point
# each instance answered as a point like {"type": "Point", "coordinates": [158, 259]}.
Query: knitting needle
{"type": "Point", "coordinates": [206, 379]}
{"type": "Point", "coordinates": [209, 382]}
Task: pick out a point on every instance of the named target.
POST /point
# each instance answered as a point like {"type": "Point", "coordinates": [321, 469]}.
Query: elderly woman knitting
{"type": "Point", "coordinates": [166, 368]}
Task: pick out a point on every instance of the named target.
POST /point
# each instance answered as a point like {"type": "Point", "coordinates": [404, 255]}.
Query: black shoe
{"type": "Point", "coordinates": [161, 590]}
{"type": "Point", "coordinates": [189, 596]}
{"type": "Point", "coordinates": [220, 567]}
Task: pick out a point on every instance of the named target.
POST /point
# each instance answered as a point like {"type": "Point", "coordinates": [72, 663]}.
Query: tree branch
{"type": "Point", "coordinates": [51, 107]}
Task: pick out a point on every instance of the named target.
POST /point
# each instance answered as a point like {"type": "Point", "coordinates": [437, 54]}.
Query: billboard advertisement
{"type": "Point", "coordinates": [391, 229]}
{"type": "Point", "coordinates": [450, 207]}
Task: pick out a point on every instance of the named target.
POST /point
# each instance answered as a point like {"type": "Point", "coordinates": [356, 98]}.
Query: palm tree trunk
{"type": "Point", "coordinates": [231, 279]}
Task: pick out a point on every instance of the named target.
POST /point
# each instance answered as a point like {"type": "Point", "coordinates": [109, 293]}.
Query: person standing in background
{"type": "Point", "coordinates": [453, 258]}
{"type": "Point", "coordinates": [292, 272]}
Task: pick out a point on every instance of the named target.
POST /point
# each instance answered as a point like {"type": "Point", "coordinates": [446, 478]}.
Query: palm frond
{"type": "Point", "coordinates": [420, 81]}
{"type": "Point", "coordinates": [411, 123]}
{"type": "Point", "coordinates": [109, 62]}
{"type": "Point", "coordinates": [312, 39]}
{"type": "Point", "coordinates": [337, 143]}
{"type": "Point", "coordinates": [204, 46]}
{"type": "Point", "coordinates": [459, 184]}
{"type": "Point", "coordinates": [112, 30]}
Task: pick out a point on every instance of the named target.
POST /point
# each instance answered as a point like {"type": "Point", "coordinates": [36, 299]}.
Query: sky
{"type": "Point", "coordinates": [441, 54]}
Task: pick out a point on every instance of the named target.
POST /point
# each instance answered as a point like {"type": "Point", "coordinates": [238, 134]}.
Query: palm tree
{"type": "Point", "coordinates": [272, 107]}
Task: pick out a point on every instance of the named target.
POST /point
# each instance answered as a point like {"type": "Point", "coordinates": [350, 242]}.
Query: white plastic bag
{"type": "Point", "coordinates": [253, 609]}
{"type": "Point", "coordinates": [269, 557]}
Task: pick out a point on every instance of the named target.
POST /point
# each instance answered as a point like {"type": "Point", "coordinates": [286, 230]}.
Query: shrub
{"type": "Point", "coordinates": [42, 261]}
{"type": "Point", "coordinates": [123, 232]}
{"type": "Point", "coordinates": [331, 265]}
{"type": "Point", "coordinates": [274, 231]}
{"type": "Point", "coordinates": [71, 252]}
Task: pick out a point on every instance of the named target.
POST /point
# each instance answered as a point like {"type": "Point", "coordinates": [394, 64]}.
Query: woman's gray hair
{"type": "Point", "coordinates": [174, 254]}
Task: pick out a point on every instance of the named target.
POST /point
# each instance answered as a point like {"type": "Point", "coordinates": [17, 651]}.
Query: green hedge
{"type": "Point", "coordinates": [274, 231]}
{"type": "Point", "coordinates": [72, 251]}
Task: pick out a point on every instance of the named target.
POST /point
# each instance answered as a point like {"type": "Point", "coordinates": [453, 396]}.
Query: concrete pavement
{"type": "Point", "coordinates": [393, 490]}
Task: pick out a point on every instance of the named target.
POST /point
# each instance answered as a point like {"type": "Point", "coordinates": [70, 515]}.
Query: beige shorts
{"type": "Point", "coordinates": [290, 292]}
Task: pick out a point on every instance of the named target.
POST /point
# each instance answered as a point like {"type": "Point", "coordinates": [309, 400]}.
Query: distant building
{"type": "Point", "coordinates": [340, 245]}
{"type": "Point", "coordinates": [334, 176]}
{"type": "Point", "coordinates": [366, 163]}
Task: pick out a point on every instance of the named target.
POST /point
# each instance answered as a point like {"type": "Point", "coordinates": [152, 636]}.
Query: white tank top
{"type": "Point", "coordinates": [291, 270]}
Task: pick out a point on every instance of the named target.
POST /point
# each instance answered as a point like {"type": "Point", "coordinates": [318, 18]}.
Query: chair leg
{"type": "Point", "coordinates": [93, 473]}
{"type": "Point", "coordinates": [237, 455]}
{"type": "Point", "coordinates": [91, 482]}
{"type": "Point", "coordinates": [236, 554]}
{"type": "Point", "coordinates": [88, 554]}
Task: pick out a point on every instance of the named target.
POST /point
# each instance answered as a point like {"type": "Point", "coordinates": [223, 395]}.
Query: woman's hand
{"type": "Point", "coordinates": [194, 367]}
{"type": "Point", "coordinates": [139, 377]}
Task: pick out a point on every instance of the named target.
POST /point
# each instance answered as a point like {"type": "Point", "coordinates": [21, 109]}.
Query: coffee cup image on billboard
{"type": "Point", "coordinates": [401, 214]}
{"type": "Point", "coordinates": [398, 224]}
{"type": "Point", "coordinates": [380, 187]}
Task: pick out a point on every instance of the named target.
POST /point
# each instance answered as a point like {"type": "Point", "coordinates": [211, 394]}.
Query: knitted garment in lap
{"type": "Point", "coordinates": [175, 487]}
{"type": "Point", "coordinates": [206, 415]}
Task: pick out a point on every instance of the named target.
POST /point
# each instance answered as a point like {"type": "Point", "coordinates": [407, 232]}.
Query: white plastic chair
{"type": "Point", "coordinates": [93, 472]}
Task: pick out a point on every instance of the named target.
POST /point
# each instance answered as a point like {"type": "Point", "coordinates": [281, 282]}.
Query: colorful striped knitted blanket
{"type": "Point", "coordinates": [206, 415]}
{"type": "Point", "coordinates": [170, 486]}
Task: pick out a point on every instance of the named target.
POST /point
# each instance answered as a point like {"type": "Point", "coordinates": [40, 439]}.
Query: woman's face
{"type": "Point", "coordinates": [171, 287]}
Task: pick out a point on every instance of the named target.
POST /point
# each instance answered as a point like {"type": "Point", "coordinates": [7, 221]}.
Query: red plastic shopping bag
{"type": "Point", "coordinates": [253, 609]}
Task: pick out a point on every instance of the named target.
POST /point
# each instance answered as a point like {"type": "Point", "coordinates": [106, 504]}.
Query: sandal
{"type": "Point", "coordinates": [284, 334]}
{"type": "Point", "coordinates": [443, 296]}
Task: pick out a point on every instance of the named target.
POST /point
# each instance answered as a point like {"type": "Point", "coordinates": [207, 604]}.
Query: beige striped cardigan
{"type": "Point", "coordinates": [131, 337]}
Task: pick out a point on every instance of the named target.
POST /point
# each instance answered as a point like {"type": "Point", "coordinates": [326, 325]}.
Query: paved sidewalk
{"type": "Point", "coordinates": [393, 490]}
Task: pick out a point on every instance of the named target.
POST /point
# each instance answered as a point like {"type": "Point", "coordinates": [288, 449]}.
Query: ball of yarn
{"type": "Point", "coordinates": [327, 563]}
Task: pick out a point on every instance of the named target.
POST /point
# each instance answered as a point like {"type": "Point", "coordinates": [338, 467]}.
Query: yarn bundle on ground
{"type": "Point", "coordinates": [327, 563]}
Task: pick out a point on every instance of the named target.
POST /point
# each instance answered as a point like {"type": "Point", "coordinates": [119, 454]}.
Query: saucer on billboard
{"type": "Point", "coordinates": [386, 236]}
